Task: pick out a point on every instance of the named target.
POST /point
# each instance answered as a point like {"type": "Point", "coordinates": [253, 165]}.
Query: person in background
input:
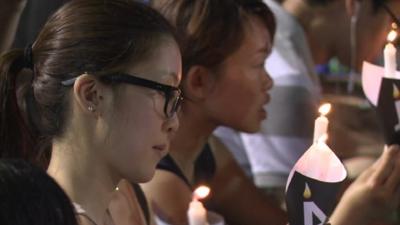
{"type": "Point", "coordinates": [29, 196]}
{"type": "Point", "coordinates": [103, 96]}
{"type": "Point", "coordinates": [224, 45]}
{"type": "Point", "coordinates": [311, 32]}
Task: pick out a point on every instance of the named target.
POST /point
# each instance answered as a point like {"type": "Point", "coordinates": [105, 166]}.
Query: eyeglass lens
{"type": "Point", "coordinates": [173, 103]}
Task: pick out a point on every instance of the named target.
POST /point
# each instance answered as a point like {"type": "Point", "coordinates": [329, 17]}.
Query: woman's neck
{"type": "Point", "coordinates": [192, 135]}
{"type": "Point", "coordinates": [323, 35]}
{"type": "Point", "coordinates": [83, 176]}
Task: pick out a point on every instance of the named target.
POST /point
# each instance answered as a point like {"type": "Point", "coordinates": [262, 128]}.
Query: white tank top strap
{"type": "Point", "coordinates": [81, 212]}
{"type": "Point", "coordinates": [78, 208]}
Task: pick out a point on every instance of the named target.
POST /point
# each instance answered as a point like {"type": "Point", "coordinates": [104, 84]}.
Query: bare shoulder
{"type": "Point", "coordinates": [221, 153]}
{"type": "Point", "coordinates": [169, 196]}
{"type": "Point", "coordinates": [84, 220]}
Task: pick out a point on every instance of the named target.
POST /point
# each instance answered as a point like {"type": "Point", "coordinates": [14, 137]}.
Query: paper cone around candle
{"type": "Point", "coordinates": [313, 184]}
{"type": "Point", "coordinates": [371, 81]}
{"type": "Point", "coordinates": [383, 94]}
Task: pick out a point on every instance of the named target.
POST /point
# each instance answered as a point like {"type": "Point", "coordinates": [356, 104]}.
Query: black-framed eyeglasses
{"type": "Point", "coordinates": [173, 95]}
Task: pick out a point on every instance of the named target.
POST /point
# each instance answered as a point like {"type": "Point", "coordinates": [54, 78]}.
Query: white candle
{"type": "Point", "coordinates": [197, 214]}
{"type": "Point", "coordinates": [390, 60]}
{"type": "Point", "coordinates": [389, 54]}
{"type": "Point", "coordinates": [321, 123]}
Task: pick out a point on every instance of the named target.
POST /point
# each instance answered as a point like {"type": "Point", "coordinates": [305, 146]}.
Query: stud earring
{"type": "Point", "coordinates": [91, 108]}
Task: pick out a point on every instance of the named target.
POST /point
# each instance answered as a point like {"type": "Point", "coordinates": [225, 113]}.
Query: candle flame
{"type": "Point", "coordinates": [394, 26]}
{"type": "Point", "coordinates": [307, 192]}
{"type": "Point", "coordinates": [396, 92]}
{"type": "Point", "coordinates": [201, 192]}
{"type": "Point", "coordinates": [392, 36]}
{"type": "Point", "coordinates": [324, 109]}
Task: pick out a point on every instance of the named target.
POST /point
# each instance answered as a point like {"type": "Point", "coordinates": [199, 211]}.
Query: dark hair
{"type": "Point", "coordinates": [28, 196]}
{"type": "Point", "coordinates": [91, 36]}
{"type": "Point", "coordinates": [318, 2]}
{"type": "Point", "coordinates": [211, 30]}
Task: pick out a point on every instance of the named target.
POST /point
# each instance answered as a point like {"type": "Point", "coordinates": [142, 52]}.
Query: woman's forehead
{"type": "Point", "coordinates": [257, 37]}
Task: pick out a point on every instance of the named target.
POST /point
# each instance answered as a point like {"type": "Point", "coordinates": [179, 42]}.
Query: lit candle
{"type": "Point", "coordinates": [197, 214]}
{"type": "Point", "coordinates": [321, 123]}
{"type": "Point", "coordinates": [390, 55]}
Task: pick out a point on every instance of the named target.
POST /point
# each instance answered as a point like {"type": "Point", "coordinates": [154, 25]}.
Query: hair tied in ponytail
{"type": "Point", "coordinates": [28, 57]}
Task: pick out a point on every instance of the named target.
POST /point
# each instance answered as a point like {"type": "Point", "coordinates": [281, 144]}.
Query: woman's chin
{"type": "Point", "coordinates": [143, 177]}
{"type": "Point", "coordinates": [250, 128]}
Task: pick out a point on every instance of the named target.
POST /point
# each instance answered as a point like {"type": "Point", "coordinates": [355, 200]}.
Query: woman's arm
{"type": "Point", "coordinates": [236, 197]}
{"type": "Point", "coordinates": [169, 197]}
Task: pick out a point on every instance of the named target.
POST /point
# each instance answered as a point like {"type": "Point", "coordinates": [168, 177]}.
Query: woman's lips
{"type": "Point", "coordinates": [162, 149]}
{"type": "Point", "coordinates": [267, 99]}
{"type": "Point", "coordinates": [263, 114]}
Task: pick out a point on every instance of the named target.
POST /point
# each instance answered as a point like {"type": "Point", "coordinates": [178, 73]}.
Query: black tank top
{"type": "Point", "coordinates": [204, 167]}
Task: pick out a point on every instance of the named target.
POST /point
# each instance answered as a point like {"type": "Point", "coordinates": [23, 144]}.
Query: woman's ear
{"type": "Point", "coordinates": [198, 82]}
{"type": "Point", "coordinates": [88, 93]}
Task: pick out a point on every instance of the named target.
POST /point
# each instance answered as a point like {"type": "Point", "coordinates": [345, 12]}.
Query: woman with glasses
{"type": "Point", "coordinates": [224, 45]}
{"type": "Point", "coordinates": [103, 97]}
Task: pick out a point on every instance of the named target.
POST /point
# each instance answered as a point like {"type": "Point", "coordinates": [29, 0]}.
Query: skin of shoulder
{"type": "Point", "coordinates": [124, 206]}
{"type": "Point", "coordinates": [172, 202]}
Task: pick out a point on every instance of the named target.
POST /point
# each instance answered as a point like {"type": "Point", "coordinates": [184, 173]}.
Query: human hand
{"type": "Point", "coordinates": [374, 196]}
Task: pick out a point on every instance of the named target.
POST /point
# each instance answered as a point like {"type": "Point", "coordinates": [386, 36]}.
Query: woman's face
{"type": "Point", "coordinates": [140, 132]}
{"type": "Point", "coordinates": [372, 31]}
{"type": "Point", "coordinates": [241, 82]}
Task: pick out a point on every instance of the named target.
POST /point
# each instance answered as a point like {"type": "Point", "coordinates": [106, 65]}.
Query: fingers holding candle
{"type": "Point", "coordinates": [374, 195]}
{"type": "Point", "coordinates": [385, 166]}
{"type": "Point", "coordinates": [393, 179]}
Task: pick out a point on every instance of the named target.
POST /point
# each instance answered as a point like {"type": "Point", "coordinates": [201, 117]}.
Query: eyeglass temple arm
{"type": "Point", "coordinates": [68, 82]}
